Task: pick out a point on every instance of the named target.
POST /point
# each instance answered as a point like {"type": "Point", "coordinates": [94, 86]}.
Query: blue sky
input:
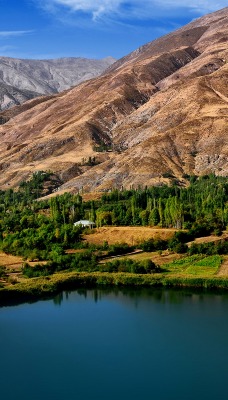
{"type": "Point", "coordinates": [91, 28]}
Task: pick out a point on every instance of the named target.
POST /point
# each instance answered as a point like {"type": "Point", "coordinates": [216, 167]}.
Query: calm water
{"type": "Point", "coordinates": [88, 345]}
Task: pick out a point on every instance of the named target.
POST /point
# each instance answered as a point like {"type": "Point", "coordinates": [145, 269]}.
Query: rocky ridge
{"type": "Point", "coordinates": [21, 80]}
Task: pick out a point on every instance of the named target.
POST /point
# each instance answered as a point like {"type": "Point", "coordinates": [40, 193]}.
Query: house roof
{"type": "Point", "coordinates": [84, 222]}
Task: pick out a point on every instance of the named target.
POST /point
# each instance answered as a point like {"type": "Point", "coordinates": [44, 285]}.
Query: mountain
{"type": "Point", "coordinates": [21, 80]}
{"type": "Point", "coordinates": [155, 116]}
{"type": "Point", "coordinates": [11, 96]}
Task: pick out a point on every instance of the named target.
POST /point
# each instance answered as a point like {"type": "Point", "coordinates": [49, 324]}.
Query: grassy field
{"type": "Point", "coordinates": [131, 235]}
{"type": "Point", "coordinates": [134, 235]}
{"type": "Point", "coordinates": [157, 257]}
{"type": "Point", "coordinates": [198, 265]}
{"type": "Point", "coordinates": [174, 264]}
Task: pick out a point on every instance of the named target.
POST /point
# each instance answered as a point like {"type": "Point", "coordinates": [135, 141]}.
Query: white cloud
{"type": "Point", "coordinates": [139, 9]}
{"type": "Point", "coordinates": [95, 8]}
{"type": "Point", "coordinates": [6, 34]}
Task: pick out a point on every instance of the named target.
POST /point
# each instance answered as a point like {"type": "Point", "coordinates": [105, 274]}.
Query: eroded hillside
{"type": "Point", "coordinates": [156, 115]}
{"type": "Point", "coordinates": [21, 80]}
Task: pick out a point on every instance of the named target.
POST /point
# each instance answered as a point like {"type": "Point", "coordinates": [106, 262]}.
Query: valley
{"type": "Point", "coordinates": [155, 236]}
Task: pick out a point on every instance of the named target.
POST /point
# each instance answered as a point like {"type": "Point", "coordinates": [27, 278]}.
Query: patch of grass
{"type": "Point", "coordinates": [208, 265]}
{"type": "Point", "coordinates": [157, 257]}
{"type": "Point", "coordinates": [195, 265]}
{"type": "Point", "coordinates": [182, 264]}
{"type": "Point", "coordinates": [2, 271]}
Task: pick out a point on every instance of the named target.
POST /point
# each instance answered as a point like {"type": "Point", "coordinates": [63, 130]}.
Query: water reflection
{"type": "Point", "coordinates": [59, 299]}
{"type": "Point", "coordinates": [137, 295]}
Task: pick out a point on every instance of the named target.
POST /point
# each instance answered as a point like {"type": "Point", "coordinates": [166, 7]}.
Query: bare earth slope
{"type": "Point", "coordinates": [161, 112]}
{"type": "Point", "coordinates": [21, 80]}
{"type": "Point", "coordinates": [11, 96]}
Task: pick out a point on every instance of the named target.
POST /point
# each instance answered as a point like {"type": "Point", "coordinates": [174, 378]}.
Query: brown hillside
{"type": "Point", "coordinates": [161, 112]}
{"type": "Point", "coordinates": [132, 235]}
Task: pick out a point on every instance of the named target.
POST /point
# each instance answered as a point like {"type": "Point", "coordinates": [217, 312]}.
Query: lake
{"type": "Point", "coordinates": [116, 344]}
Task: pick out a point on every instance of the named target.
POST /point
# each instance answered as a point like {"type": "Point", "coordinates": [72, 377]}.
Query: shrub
{"type": "Point", "coordinates": [180, 248]}
{"type": "Point", "coordinates": [153, 245]}
{"type": "Point", "coordinates": [2, 271]}
{"type": "Point", "coordinates": [119, 248]}
{"type": "Point", "coordinates": [127, 265]}
{"type": "Point", "coordinates": [210, 248]}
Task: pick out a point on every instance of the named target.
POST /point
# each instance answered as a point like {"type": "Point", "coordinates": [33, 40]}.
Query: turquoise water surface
{"type": "Point", "coordinates": [131, 344]}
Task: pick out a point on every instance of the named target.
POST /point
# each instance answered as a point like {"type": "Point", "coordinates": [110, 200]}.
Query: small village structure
{"type": "Point", "coordinates": [85, 223]}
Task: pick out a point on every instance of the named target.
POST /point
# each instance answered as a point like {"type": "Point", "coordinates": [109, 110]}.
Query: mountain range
{"type": "Point", "coordinates": [21, 80]}
{"type": "Point", "coordinates": [153, 117]}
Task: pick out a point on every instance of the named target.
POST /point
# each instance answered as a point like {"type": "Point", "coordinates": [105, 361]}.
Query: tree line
{"type": "Point", "coordinates": [44, 229]}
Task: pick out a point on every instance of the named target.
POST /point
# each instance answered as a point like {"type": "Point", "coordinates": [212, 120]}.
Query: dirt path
{"type": "Point", "coordinates": [219, 94]}
{"type": "Point", "coordinates": [208, 239]}
{"type": "Point", "coordinates": [223, 270]}
{"type": "Point", "coordinates": [10, 261]}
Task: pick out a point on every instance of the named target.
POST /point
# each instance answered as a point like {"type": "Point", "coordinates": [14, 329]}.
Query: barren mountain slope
{"type": "Point", "coordinates": [161, 112]}
{"type": "Point", "coordinates": [11, 96]}
{"type": "Point", "coordinates": [21, 80]}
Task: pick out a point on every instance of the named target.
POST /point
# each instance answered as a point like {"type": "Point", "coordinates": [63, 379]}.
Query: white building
{"type": "Point", "coordinates": [85, 223]}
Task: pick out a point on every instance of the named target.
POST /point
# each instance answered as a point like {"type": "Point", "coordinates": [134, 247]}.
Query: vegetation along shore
{"type": "Point", "coordinates": [158, 236]}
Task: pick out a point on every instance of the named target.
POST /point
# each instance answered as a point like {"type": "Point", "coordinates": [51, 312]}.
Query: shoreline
{"type": "Point", "coordinates": [46, 287]}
